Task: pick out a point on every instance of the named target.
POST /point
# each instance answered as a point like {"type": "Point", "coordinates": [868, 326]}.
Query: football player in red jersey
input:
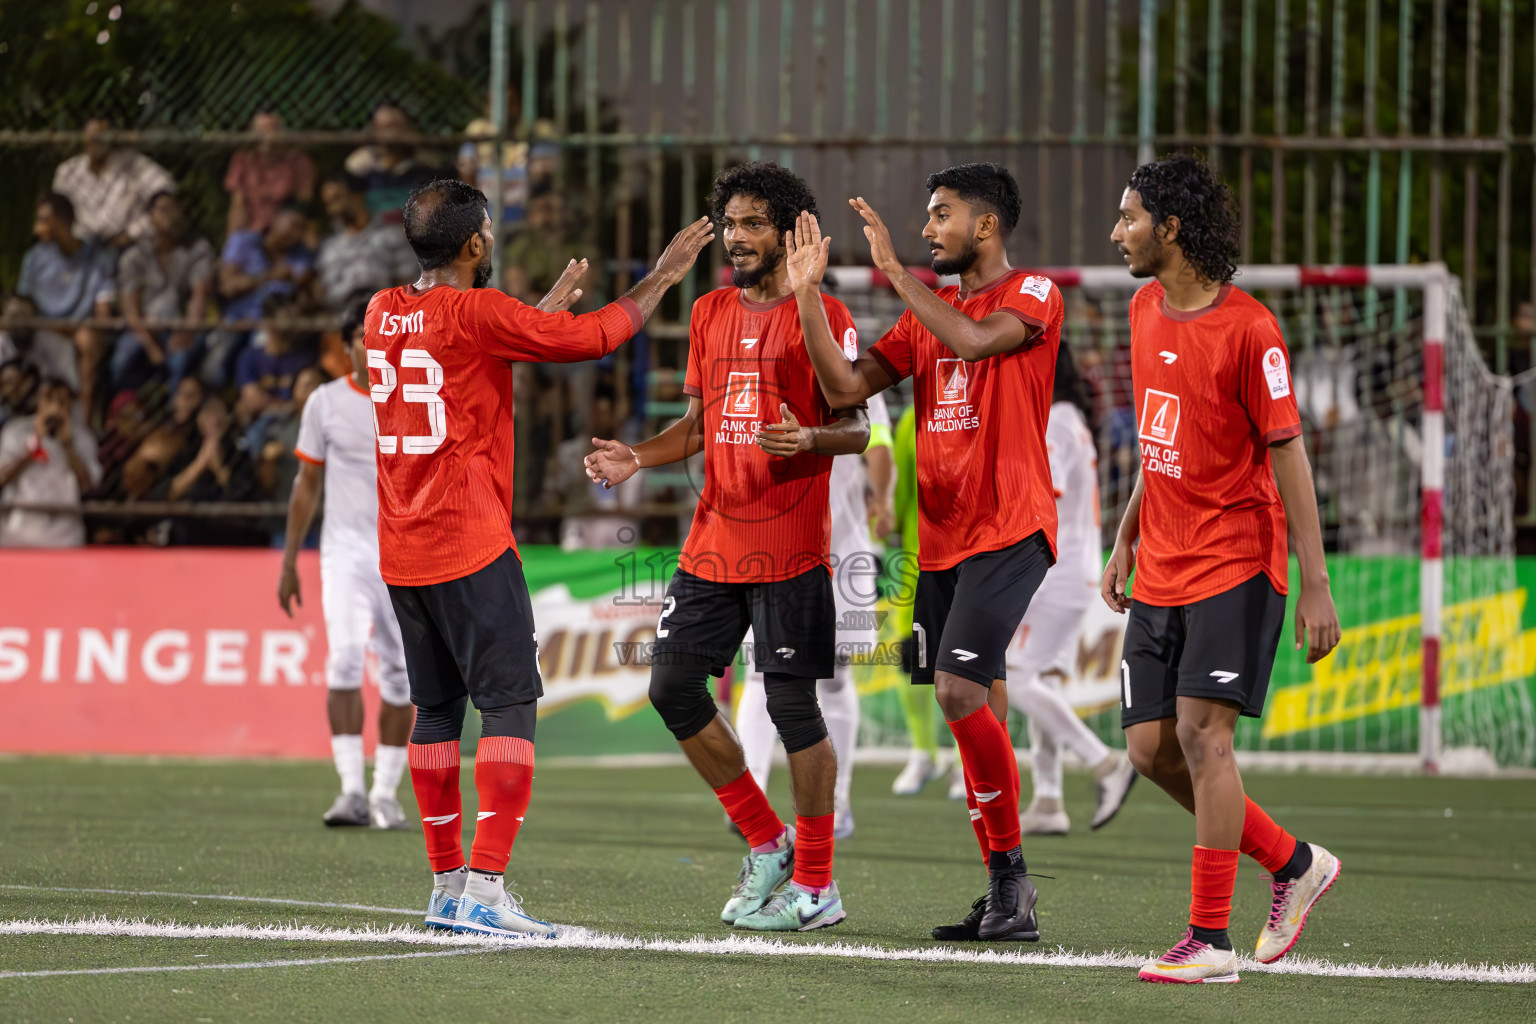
{"type": "Point", "coordinates": [440, 355]}
{"type": "Point", "coordinates": [982, 357]}
{"type": "Point", "coordinates": [758, 552]}
{"type": "Point", "coordinates": [1223, 470]}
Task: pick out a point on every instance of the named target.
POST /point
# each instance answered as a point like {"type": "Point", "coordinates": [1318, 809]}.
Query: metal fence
{"type": "Point", "coordinates": [1354, 131]}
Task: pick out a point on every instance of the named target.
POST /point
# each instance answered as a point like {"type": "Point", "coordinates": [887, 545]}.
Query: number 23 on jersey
{"type": "Point", "coordinates": [424, 392]}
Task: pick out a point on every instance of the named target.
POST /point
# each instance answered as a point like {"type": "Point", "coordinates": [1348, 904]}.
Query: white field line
{"type": "Point", "coordinates": [315, 962]}
{"type": "Point", "coordinates": [215, 896]}
{"type": "Point", "coordinates": [581, 938]}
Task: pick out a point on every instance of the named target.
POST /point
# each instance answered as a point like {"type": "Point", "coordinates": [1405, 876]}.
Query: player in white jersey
{"type": "Point", "coordinates": [1046, 641]}
{"type": "Point", "coordinates": [336, 441]}
{"type": "Point", "coordinates": [855, 569]}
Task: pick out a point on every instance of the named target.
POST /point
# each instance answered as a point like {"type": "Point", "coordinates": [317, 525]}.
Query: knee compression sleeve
{"type": "Point", "coordinates": [515, 720]}
{"type": "Point", "coordinates": [680, 694]}
{"type": "Point", "coordinates": [795, 713]}
{"type": "Point", "coordinates": [439, 723]}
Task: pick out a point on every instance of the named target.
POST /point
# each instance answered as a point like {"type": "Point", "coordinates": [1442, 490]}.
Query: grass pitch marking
{"type": "Point", "coordinates": [315, 962]}
{"type": "Point", "coordinates": [733, 945]}
{"type": "Point", "coordinates": [215, 896]}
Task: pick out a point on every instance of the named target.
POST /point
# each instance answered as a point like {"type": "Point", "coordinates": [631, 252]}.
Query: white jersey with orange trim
{"type": "Point", "coordinates": [336, 431]}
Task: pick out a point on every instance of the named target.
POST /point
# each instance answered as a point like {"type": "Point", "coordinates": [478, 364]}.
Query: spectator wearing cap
{"type": "Point", "coordinates": [361, 254]}
{"type": "Point", "coordinates": [48, 459]}
{"type": "Point", "coordinates": [67, 278]}
{"type": "Point", "coordinates": [110, 187]}
{"type": "Point", "coordinates": [476, 162]}
{"type": "Point", "coordinates": [254, 268]}
{"type": "Point", "coordinates": [263, 177]}
{"type": "Point", "coordinates": [165, 277]}
{"type": "Point", "coordinates": [389, 167]}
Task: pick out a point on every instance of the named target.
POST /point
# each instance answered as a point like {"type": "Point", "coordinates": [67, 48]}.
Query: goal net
{"type": "Point", "coordinates": [1411, 441]}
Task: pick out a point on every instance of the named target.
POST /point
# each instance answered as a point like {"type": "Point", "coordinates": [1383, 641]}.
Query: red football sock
{"type": "Point", "coordinates": [750, 810]}
{"type": "Point", "coordinates": [504, 780]}
{"type": "Point", "coordinates": [813, 851]}
{"type": "Point", "coordinates": [993, 774]}
{"type": "Point", "coordinates": [1265, 841]}
{"type": "Point", "coordinates": [977, 824]}
{"type": "Point", "coordinates": [1212, 877]}
{"type": "Point", "coordinates": [435, 778]}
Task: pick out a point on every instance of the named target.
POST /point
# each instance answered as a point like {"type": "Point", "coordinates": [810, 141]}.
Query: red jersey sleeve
{"type": "Point", "coordinates": [693, 379]}
{"type": "Point", "coordinates": [1264, 382]}
{"type": "Point", "coordinates": [1035, 301]}
{"type": "Point", "coordinates": [894, 349]}
{"type": "Point", "coordinates": [514, 331]}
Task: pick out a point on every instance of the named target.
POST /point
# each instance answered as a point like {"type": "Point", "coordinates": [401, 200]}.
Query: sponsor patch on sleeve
{"type": "Point", "coordinates": [1275, 374]}
{"type": "Point", "coordinates": [851, 344]}
{"type": "Point", "coordinates": [1039, 287]}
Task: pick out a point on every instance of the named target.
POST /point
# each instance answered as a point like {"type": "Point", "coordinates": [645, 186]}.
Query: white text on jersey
{"type": "Point", "coordinates": [395, 323]}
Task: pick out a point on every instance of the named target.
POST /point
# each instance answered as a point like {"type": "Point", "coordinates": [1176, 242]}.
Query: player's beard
{"type": "Point", "coordinates": [958, 264]}
{"type": "Point", "coordinates": [483, 274]}
{"type": "Point", "coordinates": [766, 265]}
{"type": "Point", "coordinates": [1154, 255]}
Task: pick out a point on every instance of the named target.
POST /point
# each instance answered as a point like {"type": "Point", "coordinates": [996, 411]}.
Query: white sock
{"type": "Point", "coordinates": [1045, 763]}
{"type": "Point", "coordinates": [839, 700]}
{"type": "Point", "coordinates": [347, 752]}
{"type": "Point", "coordinates": [1040, 698]}
{"type": "Point", "coordinates": [754, 728]}
{"type": "Point", "coordinates": [453, 881]}
{"type": "Point", "coordinates": [483, 888]}
{"type": "Point", "coordinates": [388, 766]}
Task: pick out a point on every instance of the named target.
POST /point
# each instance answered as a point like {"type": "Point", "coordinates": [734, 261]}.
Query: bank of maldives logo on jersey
{"type": "Point", "coordinates": [1159, 417]}
{"type": "Point", "coordinates": [950, 379]}
{"type": "Point", "coordinates": [741, 395]}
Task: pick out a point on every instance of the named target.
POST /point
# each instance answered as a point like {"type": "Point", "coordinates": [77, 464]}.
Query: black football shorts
{"type": "Point", "coordinates": [793, 622]}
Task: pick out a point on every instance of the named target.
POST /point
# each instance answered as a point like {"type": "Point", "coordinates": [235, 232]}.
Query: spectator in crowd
{"type": "Point", "coordinates": [476, 161]}
{"type": "Point", "coordinates": [362, 254]}
{"type": "Point", "coordinates": [263, 177]}
{"type": "Point", "coordinates": [127, 424]}
{"type": "Point", "coordinates": [389, 167]}
{"type": "Point", "coordinates": [49, 353]}
{"type": "Point", "coordinates": [254, 268]}
{"type": "Point", "coordinates": [210, 465]}
{"type": "Point", "coordinates": [537, 257]}
{"type": "Point", "coordinates": [67, 278]}
{"type": "Point", "coordinates": [18, 387]}
{"type": "Point", "coordinates": [277, 465]}
{"type": "Point", "coordinates": [152, 459]}
{"type": "Point", "coordinates": [167, 276]}
{"type": "Point", "coordinates": [267, 371]}
{"type": "Point", "coordinates": [49, 459]}
{"type": "Point", "coordinates": [594, 516]}
{"type": "Point", "coordinates": [110, 187]}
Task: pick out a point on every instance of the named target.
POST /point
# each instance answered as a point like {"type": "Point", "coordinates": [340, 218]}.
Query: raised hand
{"type": "Point", "coordinates": [881, 251]}
{"type": "Point", "coordinates": [677, 258]}
{"type": "Point", "coordinates": [785, 438]}
{"type": "Point", "coordinates": [806, 262]}
{"type": "Point", "coordinates": [564, 294]}
{"type": "Point", "coordinates": [612, 463]}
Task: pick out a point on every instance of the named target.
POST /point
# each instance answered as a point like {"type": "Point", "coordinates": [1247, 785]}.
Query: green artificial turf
{"type": "Point", "coordinates": [1434, 870]}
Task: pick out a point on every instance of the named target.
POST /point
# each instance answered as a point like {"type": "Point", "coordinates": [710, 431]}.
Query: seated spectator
{"type": "Point", "coordinates": [538, 255]}
{"type": "Point", "coordinates": [47, 459]}
{"type": "Point", "coordinates": [390, 168]}
{"type": "Point", "coordinates": [18, 388]}
{"type": "Point", "coordinates": [110, 187]}
{"type": "Point", "coordinates": [167, 276]}
{"type": "Point", "coordinates": [49, 353]}
{"type": "Point", "coordinates": [68, 279]}
{"type": "Point", "coordinates": [253, 268]}
{"type": "Point", "coordinates": [124, 429]}
{"type": "Point", "coordinates": [262, 178]}
{"type": "Point", "coordinates": [150, 462]}
{"type": "Point", "coordinates": [277, 465]}
{"type": "Point", "coordinates": [210, 465]}
{"type": "Point", "coordinates": [267, 370]}
{"type": "Point", "coordinates": [361, 254]}
{"type": "Point", "coordinates": [476, 161]}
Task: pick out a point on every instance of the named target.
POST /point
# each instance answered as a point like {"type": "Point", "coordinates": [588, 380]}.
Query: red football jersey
{"type": "Point", "coordinates": [760, 517]}
{"type": "Point", "coordinates": [983, 478]}
{"type": "Point", "coordinates": [440, 366]}
{"type": "Point", "coordinates": [1213, 392]}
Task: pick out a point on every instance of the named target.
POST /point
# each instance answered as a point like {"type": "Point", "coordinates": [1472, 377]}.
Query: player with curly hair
{"type": "Point", "coordinates": [1223, 471]}
{"type": "Point", "coordinates": [757, 555]}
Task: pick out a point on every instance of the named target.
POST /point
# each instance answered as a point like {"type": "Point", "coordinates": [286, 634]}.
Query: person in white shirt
{"type": "Point", "coordinates": [1046, 641]}
{"type": "Point", "coordinates": [336, 440]}
{"type": "Point", "coordinates": [46, 460]}
{"type": "Point", "coordinates": [855, 571]}
{"type": "Point", "coordinates": [111, 187]}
